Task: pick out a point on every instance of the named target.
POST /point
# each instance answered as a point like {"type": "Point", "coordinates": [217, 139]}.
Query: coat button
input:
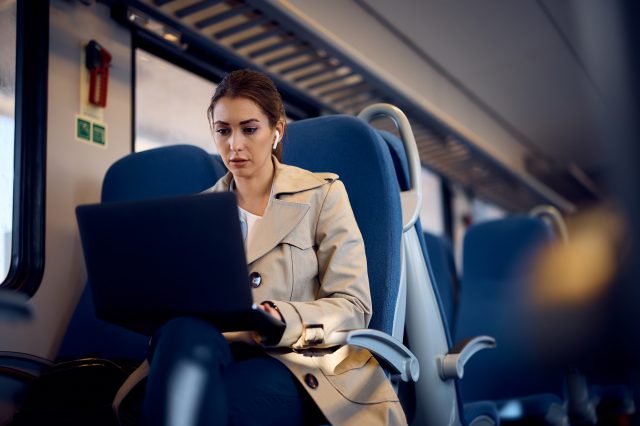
{"type": "Point", "coordinates": [311, 380]}
{"type": "Point", "coordinates": [255, 279]}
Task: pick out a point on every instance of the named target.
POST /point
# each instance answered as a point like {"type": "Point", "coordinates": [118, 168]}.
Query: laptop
{"type": "Point", "coordinates": [152, 260]}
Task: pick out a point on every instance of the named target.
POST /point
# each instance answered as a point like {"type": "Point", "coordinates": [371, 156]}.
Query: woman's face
{"type": "Point", "coordinates": [243, 136]}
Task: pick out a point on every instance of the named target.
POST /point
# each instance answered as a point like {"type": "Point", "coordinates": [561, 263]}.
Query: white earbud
{"type": "Point", "coordinates": [275, 143]}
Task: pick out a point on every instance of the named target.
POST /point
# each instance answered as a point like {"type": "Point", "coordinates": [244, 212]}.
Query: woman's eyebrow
{"type": "Point", "coordinates": [249, 121]}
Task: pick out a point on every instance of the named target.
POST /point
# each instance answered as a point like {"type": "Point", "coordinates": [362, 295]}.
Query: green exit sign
{"type": "Point", "coordinates": [91, 131]}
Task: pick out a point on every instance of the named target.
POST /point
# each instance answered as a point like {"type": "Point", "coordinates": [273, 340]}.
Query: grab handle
{"type": "Point", "coordinates": [411, 199]}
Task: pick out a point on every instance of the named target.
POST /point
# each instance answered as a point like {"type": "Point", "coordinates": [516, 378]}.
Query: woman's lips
{"type": "Point", "coordinates": [239, 162]}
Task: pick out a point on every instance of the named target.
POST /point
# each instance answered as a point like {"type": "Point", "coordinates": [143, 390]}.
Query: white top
{"type": "Point", "coordinates": [247, 219]}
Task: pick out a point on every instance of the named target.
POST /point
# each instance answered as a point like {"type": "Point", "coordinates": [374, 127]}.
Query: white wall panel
{"type": "Point", "coordinates": [74, 169]}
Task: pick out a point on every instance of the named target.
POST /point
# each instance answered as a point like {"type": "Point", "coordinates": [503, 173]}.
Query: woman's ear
{"type": "Point", "coordinates": [279, 131]}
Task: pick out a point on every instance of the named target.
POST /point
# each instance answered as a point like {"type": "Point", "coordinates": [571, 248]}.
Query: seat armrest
{"type": "Point", "coordinates": [396, 355]}
{"type": "Point", "coordinates": [451, 366]}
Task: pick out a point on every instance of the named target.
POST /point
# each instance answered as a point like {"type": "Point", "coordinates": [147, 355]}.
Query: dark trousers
{"type": "Point", "coordinates": [196, 378]}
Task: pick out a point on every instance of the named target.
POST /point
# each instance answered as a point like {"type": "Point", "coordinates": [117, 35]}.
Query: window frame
{"type": "Point", "coordinates": [32, 64]}
{"type": "Point", "coordinates": [200, 56]}
{"type": "Point", "coordinates": [211, 66]}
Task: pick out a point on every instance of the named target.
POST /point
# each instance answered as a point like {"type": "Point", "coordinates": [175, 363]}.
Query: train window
{"type": "Point", "coordinates": [8, 11]}
{"type": "Point", "coordinates": [170, 105]}
{"type": "Point", "coordinates": [482, 211]}
{"type": "Point", "coordinates": [24, 54]}
{"type": "Point", "coordinates": [468, 210]}
{"type": "Point", "coordinates": [432, 214]}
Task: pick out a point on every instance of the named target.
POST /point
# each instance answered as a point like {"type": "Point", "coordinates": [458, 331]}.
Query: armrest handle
{"type": "Point", "coordinates": [451, 366]}
{"type": "Point", "coordinates": [392, 351]}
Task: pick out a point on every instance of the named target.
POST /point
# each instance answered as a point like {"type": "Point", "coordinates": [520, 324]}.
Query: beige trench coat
{"type": "Point", "coordinates": [309, 252]}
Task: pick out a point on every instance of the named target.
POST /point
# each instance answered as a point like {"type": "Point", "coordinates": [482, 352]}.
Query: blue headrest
{"type": "Point", "coordinates": [494, 250]}
{"type": "Point", "coordinates": [218, 165]}
{"type": "Point", "coordinates": [161, 172]}
{"type": "Point", "coordinates": [400, 162]}
{"type": "Point", "coordinates": [495, 293]}
{"type": "Point", "coordinates": [401, 166]}
{"type": "Point", "coordinates": [352, 149]}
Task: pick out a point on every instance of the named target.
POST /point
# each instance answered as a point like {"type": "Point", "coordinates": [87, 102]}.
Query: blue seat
{"type": "Point", "coordinates": [497, 257]}
{"type": "Point", "coordinates": [533, 407]}
{"type": "Point", "coordinates": [435, 398]}
{"type": "Point", "coordinates": [585, 400]}
{"type": "Point", "coordinates": [162, 172]}
{"type": "Point", "coordinates": [444, 271]}
{"type": "Point", "coordinates": [350, 148]}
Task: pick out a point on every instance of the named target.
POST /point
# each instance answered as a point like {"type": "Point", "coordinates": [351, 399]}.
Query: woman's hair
{"type": "Point", "coordinates": [254, 86]}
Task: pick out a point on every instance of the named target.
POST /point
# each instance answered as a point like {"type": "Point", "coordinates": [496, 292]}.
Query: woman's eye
{"type": "Point", "coordinates": [250, 130]}
{"type": "Point", "coordinates": [222, 132]}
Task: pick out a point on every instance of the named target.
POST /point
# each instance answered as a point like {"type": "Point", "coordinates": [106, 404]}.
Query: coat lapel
{"type": "Point", "coordinates": [280, 218]}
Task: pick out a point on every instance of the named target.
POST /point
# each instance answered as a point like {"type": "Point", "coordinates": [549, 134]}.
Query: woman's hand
{"type": "Point", "coordinates": [248, 337]}
{"type": "Point", "coordinates": [271, 309]}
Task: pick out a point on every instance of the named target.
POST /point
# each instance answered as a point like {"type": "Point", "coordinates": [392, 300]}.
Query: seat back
{"type": "Point", "coordinates": [162, 172]}
{"type": "Point", "coordinates": [399, 158]}
{"type": "Point", "coordinates": [352, 149]}
{"type": "Point", "coordinates": [444, 270]}
{"type": "Point", "coordinates": [496, 273]}
{"type": "Point", "coordinates": [433, 400]}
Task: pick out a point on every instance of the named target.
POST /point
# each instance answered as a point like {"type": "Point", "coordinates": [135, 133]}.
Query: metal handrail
{"type": "Point", "coordinates": [411, 198]}
{"type": "Point", "coordinates": [555, 217]}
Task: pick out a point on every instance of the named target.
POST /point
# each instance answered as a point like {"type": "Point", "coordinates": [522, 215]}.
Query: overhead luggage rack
{"type": "Point", "coordinates": [261, 36]}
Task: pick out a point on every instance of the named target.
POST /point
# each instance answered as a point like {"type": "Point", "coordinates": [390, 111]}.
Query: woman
{"type": "Point", "coordinates": [307, 261]}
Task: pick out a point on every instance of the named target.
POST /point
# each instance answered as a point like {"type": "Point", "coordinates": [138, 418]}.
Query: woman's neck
{"type": "Point", "coordinates": [253, 192]}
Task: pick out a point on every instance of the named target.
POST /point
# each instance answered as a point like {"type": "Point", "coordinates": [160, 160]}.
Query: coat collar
{"type": "Point", "coordinates": [281, 216]}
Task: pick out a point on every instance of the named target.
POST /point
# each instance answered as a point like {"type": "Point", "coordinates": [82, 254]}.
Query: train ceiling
{"type": "Point", "coordinates": [261, 36]}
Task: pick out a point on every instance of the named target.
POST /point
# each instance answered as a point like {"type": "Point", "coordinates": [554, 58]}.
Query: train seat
{"type": "Point", "coordinates": [161, 172]}
{"type": "Point", "coordinates": [604, 403]}
{"type": "Point", "coordinates": [532, 406]}
{"type": "Point", "coordinates": [348, 147]}
{"type": "Point", "coordinates": [435, 398]}
{"type": "Point", "coordinates": [352, 149]}
{"type": "Point", "coordinates": [440, 255]}
{"type": "Point", "coordinates": [611, 401]}
{"type": "Point", "coordinates": [496, 256]}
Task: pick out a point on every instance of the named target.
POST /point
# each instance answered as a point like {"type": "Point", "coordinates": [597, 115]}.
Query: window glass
{"type": "Point", "coordinates": [482, 211]}
{"type": "Point", "coordinates": [468, 211]}
{"type": "Point", "coordinates": [431, 215]}
{"type": "Point", "coordinates": [171, 105]}
{"type": "Point", "coordinates": [7, 128]}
